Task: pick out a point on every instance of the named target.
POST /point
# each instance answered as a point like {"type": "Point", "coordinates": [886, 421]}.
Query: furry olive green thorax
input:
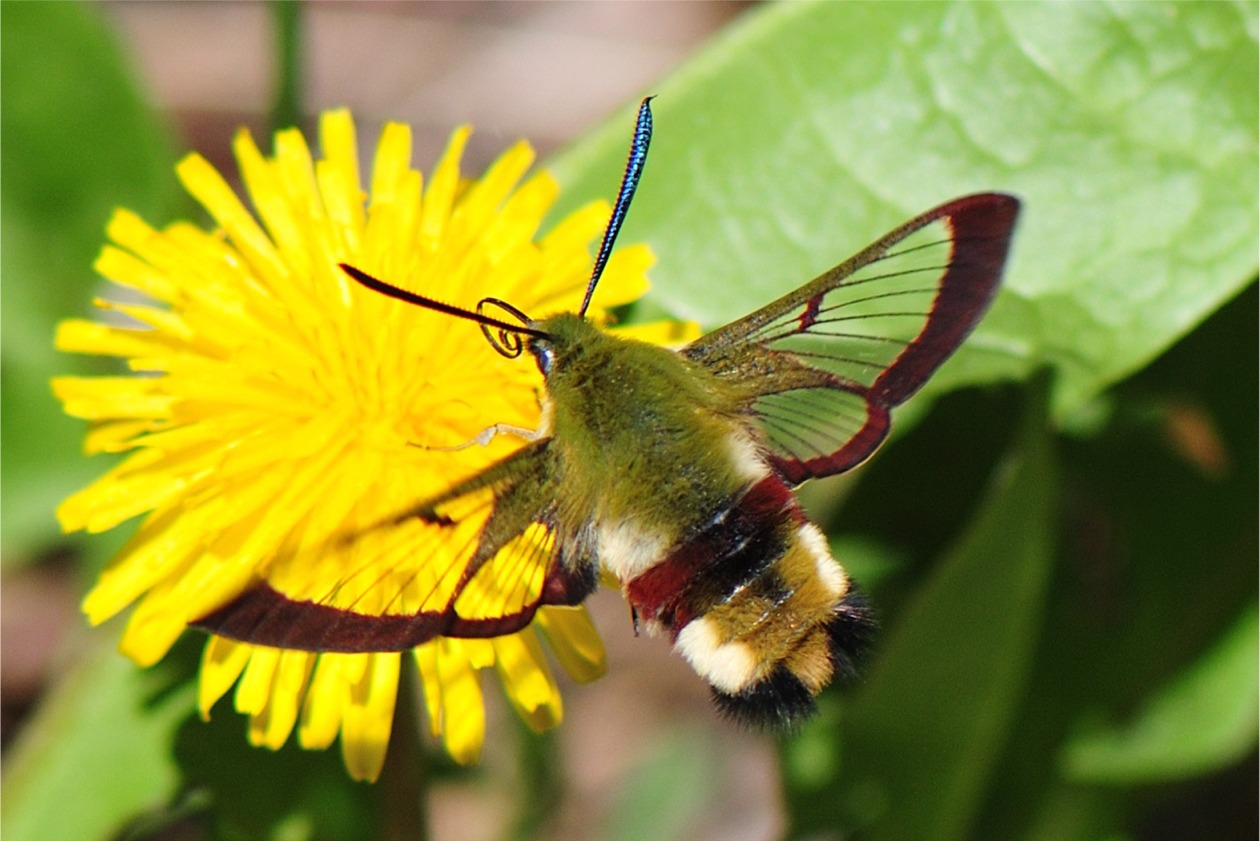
{"type": "Point", "coordinates": [639, 430]}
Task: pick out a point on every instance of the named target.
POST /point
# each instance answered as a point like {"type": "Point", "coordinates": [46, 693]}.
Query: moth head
{"type": "Point", "coordinates": [542, 339]}
{"type": "Point", "coordinates": [510, 339]}
{"type": "Point", "coordinates": [544, 353]}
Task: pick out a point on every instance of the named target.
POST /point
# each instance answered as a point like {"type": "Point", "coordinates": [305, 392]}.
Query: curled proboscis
{"type": "Point", "coordinates": [506, 342]}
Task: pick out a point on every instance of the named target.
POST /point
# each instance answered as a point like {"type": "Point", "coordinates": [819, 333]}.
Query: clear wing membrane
{"type": "Point", "coordinates": [822, 366]}
{"type": "Point", "coordinates": [476, 561]}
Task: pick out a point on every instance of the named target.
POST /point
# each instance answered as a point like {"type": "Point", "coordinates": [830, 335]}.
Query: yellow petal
{"type": "Point", "coordinates": [161, 548]}
{"type": "Point", "coordinates": [326, 699]}
{"type": "Point", "coordinates": [369, 717]}
{"type": "Point", "coordinates": [474, 216]}
{"type": "Point", "coordinates": [527, 680]}
{"type": "Point", "coordinates": [391, 168]}
{"type": "Point", "coordinates": [440, 196]}
{"type": "Point", "coordinates": [105, 398]}
{"type": "Point", "coordinates": [271, 727]}
{"type": "Point", "coordinates": [78, 336]}
{"type": "Point", "coordinates": [127, 228]}
{"type": "Point", "coordinates": [512, 231]}
{"type": "Point", "coordinates": [115, 436]}
{"type": "Point", "coordinates": [668, 333]}
{"type": "Point", "coordinates": [127, 490]}
{"type": "Point", "coordinates": [427, 659]}
{"type": "Point", "coordinates": [151, 629]}
{"type": "Point", "coordinates": [254, 689]}
{"type": "Point", "coordinates": [222, 661]}
{"type": "Point", "coordinates": [574, 641]}
{"type": "Point", "coordinates": [624, 278]}
{"type": "Point", "coordinates": [463, 722]}
{"type": "Point", "coordinates": [209, 188]}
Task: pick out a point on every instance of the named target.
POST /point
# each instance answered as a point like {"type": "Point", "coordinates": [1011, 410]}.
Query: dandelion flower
{"type": "Point", "coordinates": [275, 404]}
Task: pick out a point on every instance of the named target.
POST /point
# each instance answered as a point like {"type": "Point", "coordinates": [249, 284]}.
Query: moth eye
{"type": "Point", "coordinates": [506, 342]}
{"type": "Point", "coordinates": [544, 355]}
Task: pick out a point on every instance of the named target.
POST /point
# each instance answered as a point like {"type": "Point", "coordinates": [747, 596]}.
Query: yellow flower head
{"type": "Point", "coordinates": [276, 405]}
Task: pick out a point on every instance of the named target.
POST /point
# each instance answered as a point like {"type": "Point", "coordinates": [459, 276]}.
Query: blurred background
{"type": "Point", "coordinates": [1132, 634]}
{"type": "Point", "coordinates": [211, 67]}
{"type": "Point", "coordinates": [542, 71]}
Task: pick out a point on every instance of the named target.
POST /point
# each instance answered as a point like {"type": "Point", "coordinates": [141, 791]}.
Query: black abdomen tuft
{"type": "Point", "coordinates": [778, 702]}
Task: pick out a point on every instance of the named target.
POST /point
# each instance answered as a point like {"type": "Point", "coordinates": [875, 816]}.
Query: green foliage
{"type": "Point", "coordinates": [667, 794]}
{"type": "Point", "coordinates": [101, 741]}
{"type": "Point", "coordinates": [77, 140]}
{"type": "Point", "coordinates": [1204, 719]}
{"type": "Point", "coordinates": [971, 631]}
{"type": "Point", "coordinates": [1068, 600]}
{"type": "Point", "coordinates": [810, 129]}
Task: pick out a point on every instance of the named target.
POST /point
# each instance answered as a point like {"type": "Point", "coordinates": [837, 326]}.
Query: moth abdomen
{"type": "Point", "coordinates": [733, 547]}
{"type": "Point", "coordinates": [850, 634]}
{"type": "Point", "coordinates": [758, 607]}
{"type": "Point", "coordinates": [780, 701]}
{"type": "Point", "coordinates": [785, 696]}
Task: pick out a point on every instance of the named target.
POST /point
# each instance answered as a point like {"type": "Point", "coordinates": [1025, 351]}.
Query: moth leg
{"type": "Point", "coordinates": [485, 436]}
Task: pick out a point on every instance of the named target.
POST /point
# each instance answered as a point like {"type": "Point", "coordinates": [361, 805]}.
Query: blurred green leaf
{"type": "Point", "coordinates": [1071, 813]}
{"type": "Point", "coordinates": [122, 743]}
{"type": "Point", "coordinates": [924, 731]}
{"type": "Point", "coordinates": [666, 794]}
{"type": "Point", "coordinates": [77, 141]}
{"type": "Point", "coordinates": [1129, 130]}
{"type": "Point", "coordinates": [255, 794]}
{"type": "Point", "coordinates": [98, 751]}
{"type": "Point", "coordinates": [1156, 561]}
{"type": "Point", "coordinates": [1202, 721]}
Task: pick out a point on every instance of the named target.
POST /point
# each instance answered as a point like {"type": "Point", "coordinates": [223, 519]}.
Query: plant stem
{"type": "Point", "coordinates": [541, 785]}
{"type": "Point", "coordinates": [405, 780]}
{"type": "Point", "coordinates": [286, 106]}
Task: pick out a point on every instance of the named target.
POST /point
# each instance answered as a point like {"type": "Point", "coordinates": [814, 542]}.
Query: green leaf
{"type": "Point", "coordinates": [263, 795]}
{"type": "Point", "coordinates": [76, 141]}
{"type": "Point", "coordinates": [668, 794]}
{"type": "Point", "coordinates": [922, 736]}
{"type": "Point", "coordinates": [97, 753]}
{"type": "Point", "coordinates": [1156, 561]}
{"type": "Point", "coordinates": [1072, 813]}
{"type": "Point", "coordinates": [1202, 721]}
{"type": "Point", "coordinates": [1129, 130]}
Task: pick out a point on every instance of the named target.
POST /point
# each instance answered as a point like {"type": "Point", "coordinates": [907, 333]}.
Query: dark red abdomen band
{"type": "Point", "coordinates": [734, 546]}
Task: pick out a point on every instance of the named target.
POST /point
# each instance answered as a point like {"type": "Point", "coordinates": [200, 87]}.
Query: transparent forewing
{"type": "Point", "coordinates": [822, 366]}
{"type": "Point", "coordinates": [404, 566]}
{"type": "Point", "coordinates": [512, 581]}
{"type": "Point", "coordinates": [857, 326]}
{"type": "Point", "coordinates": [472, 562]}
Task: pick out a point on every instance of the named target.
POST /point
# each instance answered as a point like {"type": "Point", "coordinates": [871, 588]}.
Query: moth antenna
{"type": "Point", "coordinates": [629, 183]}
{"type": "Point", "coordinates": [388, 289]}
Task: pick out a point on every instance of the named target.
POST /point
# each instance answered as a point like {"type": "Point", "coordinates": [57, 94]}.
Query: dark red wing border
{"type": "Point", "coordinates": [265, 616]}
{"type": "Point", "coordinates": [982, 226]}
{"type": "Point", "coordinates": [855, 451]}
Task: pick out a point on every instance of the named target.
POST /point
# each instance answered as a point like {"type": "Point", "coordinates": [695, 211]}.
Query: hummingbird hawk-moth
{"type": "Point", "coordinates": [674, 470]}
